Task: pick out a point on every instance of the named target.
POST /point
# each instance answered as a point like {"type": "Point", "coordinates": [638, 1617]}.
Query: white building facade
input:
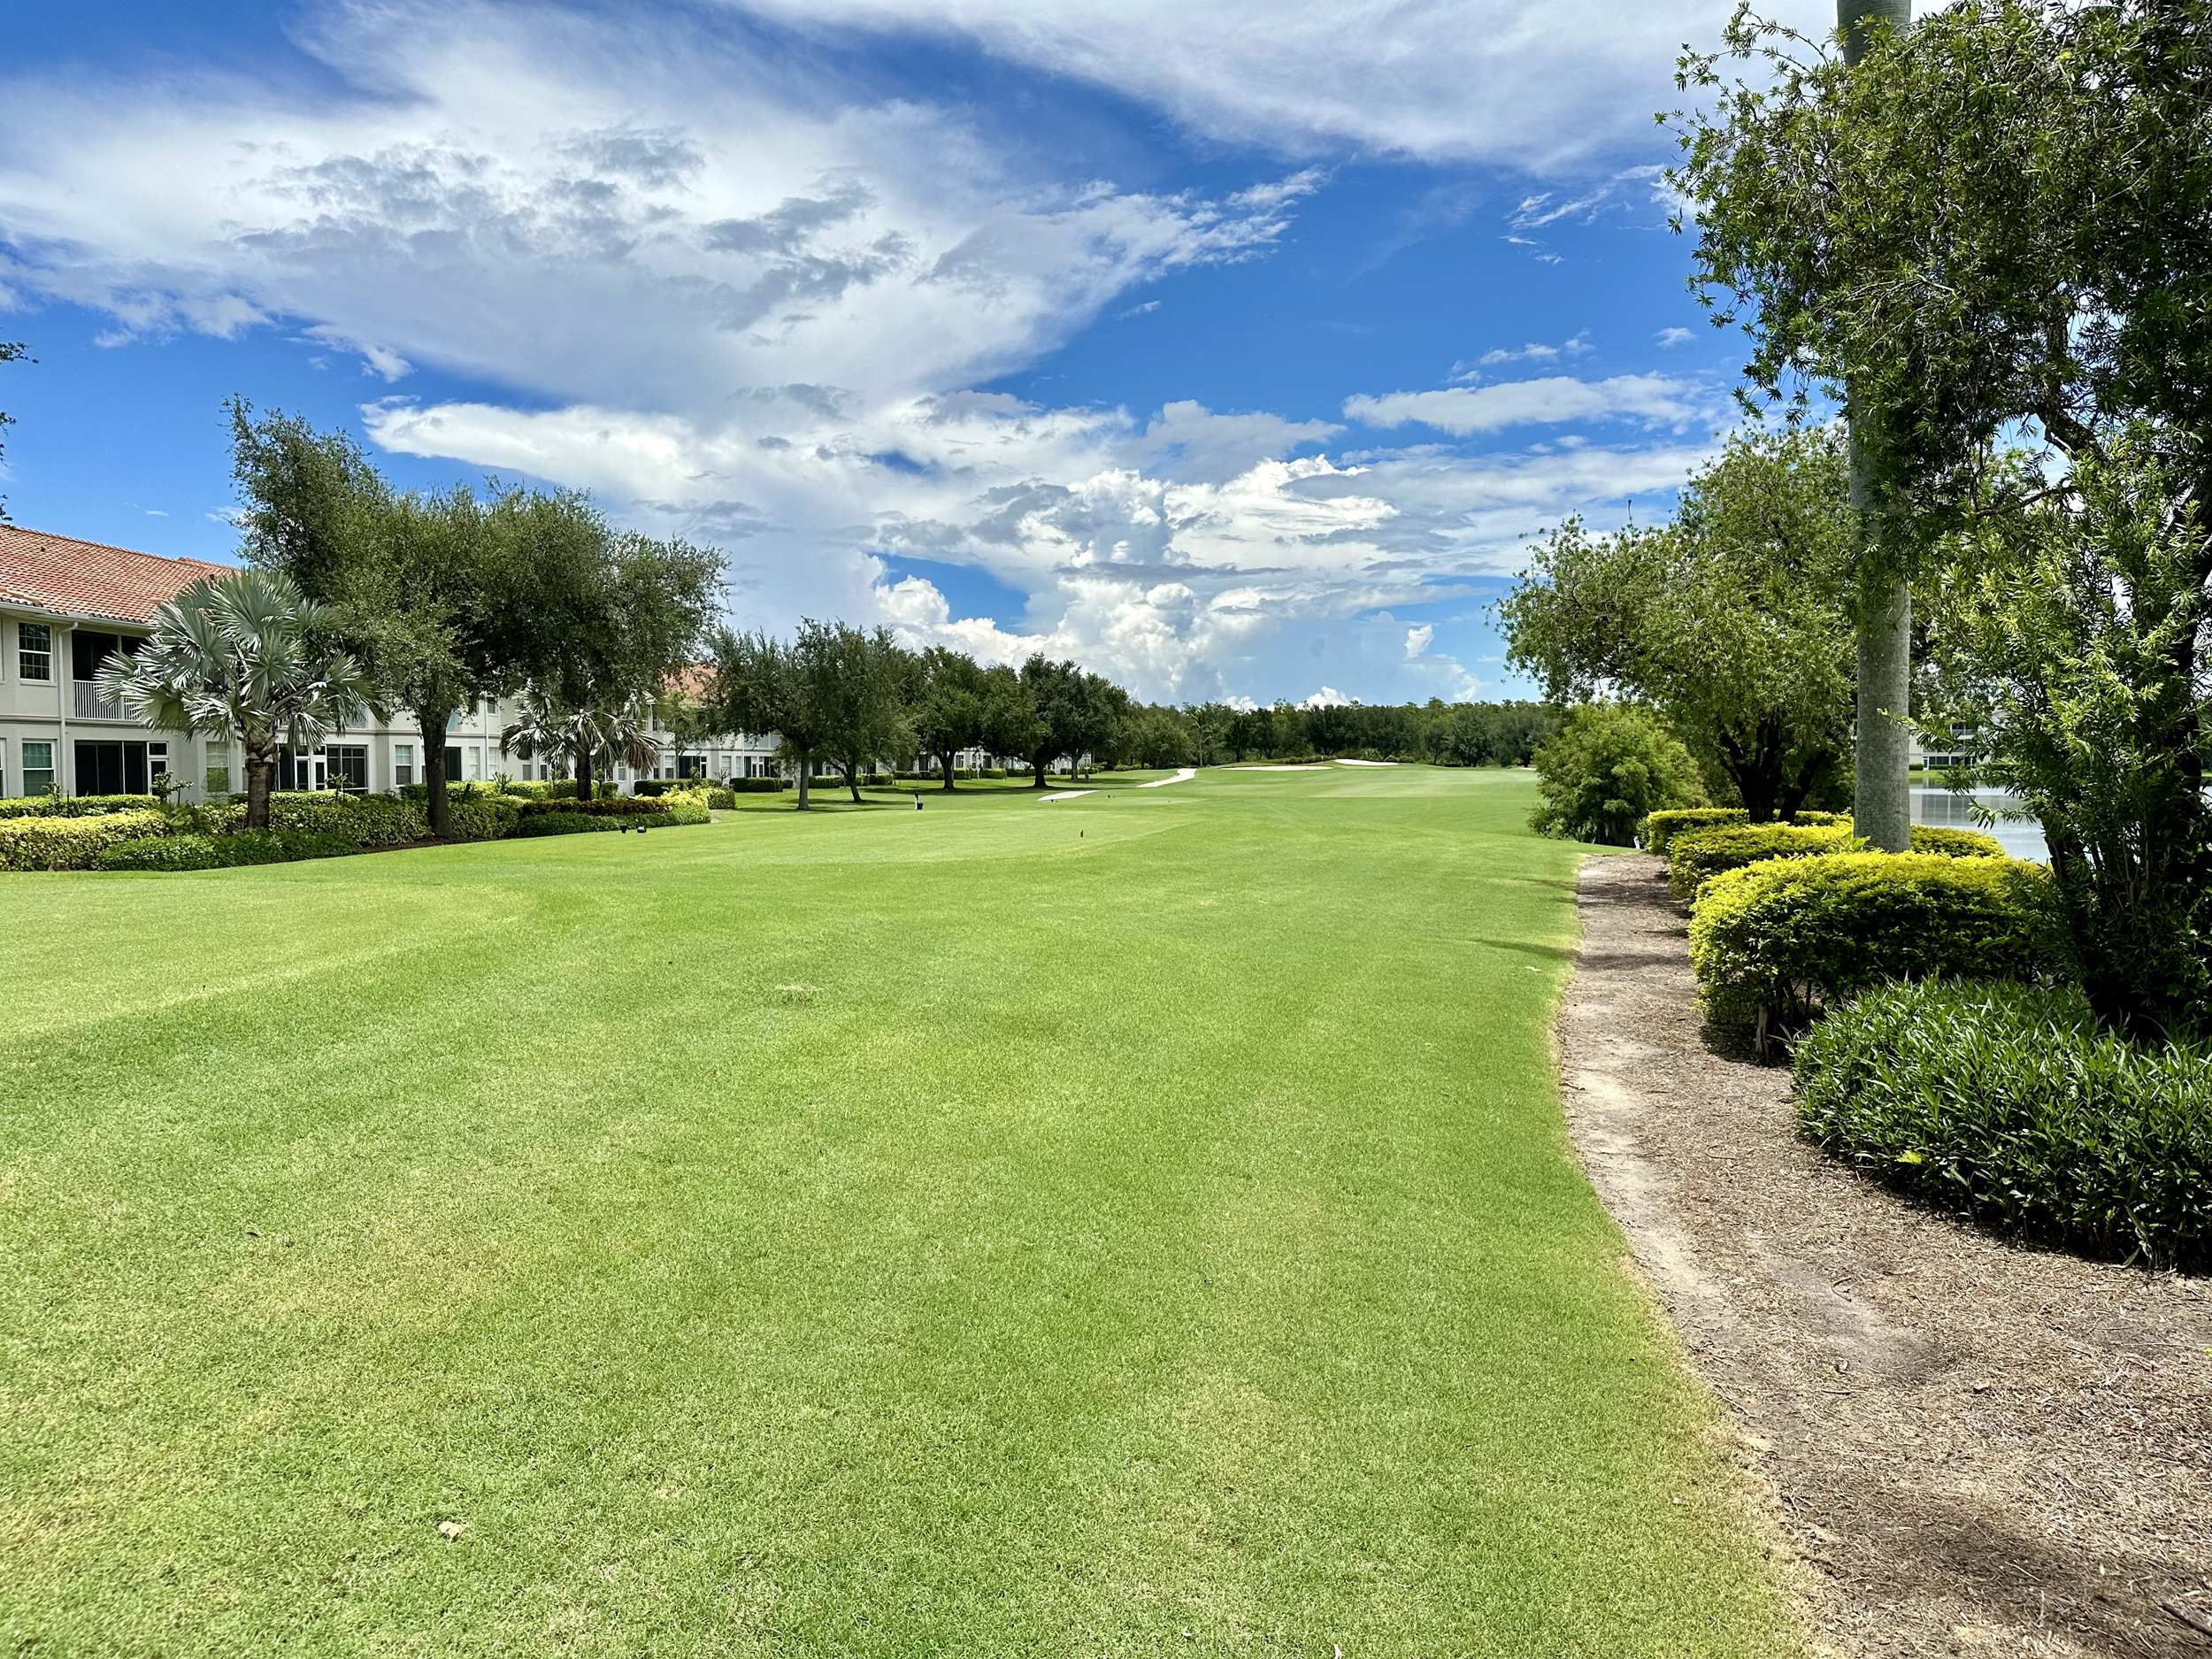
{"type": "Point", "coordinates": [65, 605]}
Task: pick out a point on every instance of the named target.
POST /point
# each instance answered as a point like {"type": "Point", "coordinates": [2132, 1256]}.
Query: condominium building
{"type": "Point", "coordinates": [65, 605]}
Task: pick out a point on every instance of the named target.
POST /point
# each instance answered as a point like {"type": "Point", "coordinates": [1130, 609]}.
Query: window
{"type": "Point", "coordinates": [35, 653]}
{"type": "Point", "coordinates": [156, 762]}
{"type": "Point", "coordinates": [403, 764]}
{"type": "Point", "coordinates": [452, 763]}
{"type": "Point", "coordinates": [110, 768]}
{"type": "Point", "coordinates": [347, 767]}
{"type": "Point", "coordinates": [38, 768]}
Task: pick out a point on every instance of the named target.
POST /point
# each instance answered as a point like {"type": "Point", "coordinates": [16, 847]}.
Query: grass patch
{"type": "Point", "coordinates": [1134, 1225]}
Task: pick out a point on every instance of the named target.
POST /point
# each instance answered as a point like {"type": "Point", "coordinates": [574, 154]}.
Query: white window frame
{"type": "Point", "coordinates": [26, 746]}
{"type": "Point", "coordinates": [403, 766]}
{"type": "Point", "coordinates": [24, 652]}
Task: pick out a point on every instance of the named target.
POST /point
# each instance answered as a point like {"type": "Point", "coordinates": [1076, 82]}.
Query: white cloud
{"type": "Point", "coordinates": [1670, 338]}
{"type": "Point", "coordinates": [1657, 399]}
{"type": "Point", "coordinates": [1537, 352]}
{"type": "Point", "coordinates": [1531, 84]}
{"type": "Point", "coordinates": [1327, 697]}
{"type": "Point", "coordinates": [582, 212]}
{"type": "Point", "coordinates": [740, 299]}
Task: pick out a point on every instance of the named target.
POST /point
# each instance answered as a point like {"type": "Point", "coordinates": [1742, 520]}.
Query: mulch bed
{"type": "Point", "coordinates": [1969, 1446]}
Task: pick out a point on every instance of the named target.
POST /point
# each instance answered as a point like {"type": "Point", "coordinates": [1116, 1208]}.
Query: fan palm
{"type": "Point", "coordinates": [589, 740]}
{"type": "Point", "coordinates": [241, 656]}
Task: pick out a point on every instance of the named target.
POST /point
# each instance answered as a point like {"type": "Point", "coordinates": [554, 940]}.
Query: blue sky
{"type": "Point", "coordinates": [1234, 350]}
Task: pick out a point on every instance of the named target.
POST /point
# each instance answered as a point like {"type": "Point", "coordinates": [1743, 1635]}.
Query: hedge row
{"type": "Point", "coordinates": [1775, 943]}
{"type": "Point", "coordinates": [2006, 1105]}
{"type": "Point", "coordinates": [75, 805]}
{"type": "Point", "coordinates": [1695, 855]}
{"type": "Point", "coordinates": [72, 843]}
{"type": "Point", "coordinates": [194, 851]}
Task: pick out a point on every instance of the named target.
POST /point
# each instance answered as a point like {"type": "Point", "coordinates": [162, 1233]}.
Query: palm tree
{"type": "Point", "coordinates": [587, 739]}
{"type": "Point", "coordinates": [242, 657]}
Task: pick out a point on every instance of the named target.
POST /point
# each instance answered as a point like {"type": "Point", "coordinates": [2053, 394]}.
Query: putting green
{"type": "Point", "coordinates": [1140, 1224]}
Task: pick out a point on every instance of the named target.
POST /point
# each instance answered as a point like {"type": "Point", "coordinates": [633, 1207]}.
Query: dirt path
{"type": "Point", "coordinates": [1974, 1449]}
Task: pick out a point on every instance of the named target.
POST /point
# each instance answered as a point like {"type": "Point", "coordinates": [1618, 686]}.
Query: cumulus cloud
{"type": "Point", "coordinates": [1327, 697]}
{"type": "Point", "coordinates": [742, 300]}
{"type": "Point", "coordinates": [1658, 399]}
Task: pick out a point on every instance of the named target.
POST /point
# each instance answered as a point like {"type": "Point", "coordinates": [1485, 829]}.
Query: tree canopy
{"type": "Point", "coordinates": [1732, 620]}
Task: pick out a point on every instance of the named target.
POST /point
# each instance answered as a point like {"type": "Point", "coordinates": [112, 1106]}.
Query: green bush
{"type": "Point", "coordinates": [1659, 828]}
{"type": "Point", "coordinates": [194, 850]}
{"type": "Point", "coordinates": [2006, 1105]}
{"type": "Point", "coordinates": [621, 806]}
{"type": "Point", "coordinates": [1956, 843]}
{"type": "Point", "coordinates": [688, 808]}
{"type": "Point", "coordinates": [72, 843]}
{"type": "Point", "coordinates": [363, 820]}
{"type": "Point", "coordinates": [75, 805]}
{"type": "Point", "coordinates": [484, 817]}
{"type": "Point", "coordinates": [756, 785]}
{"type": "Point", "coordinates": [557, 822]}
{"type": "Point", "coordinates": [539, 790]}
{"type": "Point", "coordinates": [722, 800]}
{"type": "Point", "coordinates": [1774, 943]}
{"type": "Point", "coordinates": [1607, 769]}
{"type": "Point", "coordinates": [1694, 857]}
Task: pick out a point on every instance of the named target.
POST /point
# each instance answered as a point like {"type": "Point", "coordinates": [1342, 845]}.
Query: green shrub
{"type": "Point", "coordinates": [722, 800]}
{"type": "Point", "coordinates": [688, 808]}
{"type": "Point", "coordinates": [621, 806]}
{"type": "Point", "coordinates": [539, 790]}
{"type": "Point", "coordinates": [2006, 1105]}
{"type": "Point", "coordinates": [756, 785]}
{"type": "Point", "coordinates": [484, 817]}
{"type": "Point", "coordinates": [1694, 857]}
{"type": "Point", "coordinates": [75, 805]}
{"type": "Point", "coordinates": [1774, 943]}
{"type": "Point", "coordinates": [557, 822]}
{"type": "Point", "coordinates": [72, 843]}
{"type": "Point", "coordinates": [1607, 769]}
{"type": "Point", "coordinates": [363, 820]}
{"type": "Point", "coordinates": [1956, 843]}
{"type": "Point", "coordinates": [194, 850]}
{"type": "Point", "coordinates": [1659, 828]}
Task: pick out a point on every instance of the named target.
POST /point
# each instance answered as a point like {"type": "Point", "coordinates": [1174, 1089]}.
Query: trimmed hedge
{"type": "Point", "coordinates": [2008, 1105]}
{"type": "Point", "coordinates": [361, 820]}
{"type": "Point", "coordinates": [756, 785]}
{"type": "Point", "coordinates": [1956, 843]}
{"type": "Point", "coordinates": [557, 822]}
{"type": "Point", "coordinates": [1661, 827]}
{"type": "Point", "coordinates": [621, 806]}
{"type": "Point", "coordinates": [1775, 942]}
{"type": "Point", "coordinates": [75, 805]}
{"type": "Point", "coordinates": [484, 817]}
{"type": "Point", "coordinates": [72, 843]}
{"type": "Point", "coordinates": [1694, 857]}
{"type": "Point", "coordinates": [197, 851]}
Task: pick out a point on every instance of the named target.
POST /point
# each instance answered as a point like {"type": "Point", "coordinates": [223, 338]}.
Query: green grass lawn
{"type": "Point", "coordinates": [1138, 1225]}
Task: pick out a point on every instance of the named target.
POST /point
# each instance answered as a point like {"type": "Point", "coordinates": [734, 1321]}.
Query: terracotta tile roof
{"type": "Point", "coordinates": [86, 579]}
{"type": "Point", "coordinates": [693, 679]}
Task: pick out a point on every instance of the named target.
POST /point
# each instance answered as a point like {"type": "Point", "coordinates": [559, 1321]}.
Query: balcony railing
{"type": "Point", "coordinates": [91, 705]}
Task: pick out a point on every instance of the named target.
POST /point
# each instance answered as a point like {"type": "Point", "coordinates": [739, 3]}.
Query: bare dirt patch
{"type": "Point", "coordinates": [1974, 1449]}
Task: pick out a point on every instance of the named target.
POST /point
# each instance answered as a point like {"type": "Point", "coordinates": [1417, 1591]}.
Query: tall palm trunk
{"type": "Point", "coordinates": [261, 765]}
{"type": "Point", "coordinates": [1882, 801]}
{"type": "Point", "coordinates": [586, 788]}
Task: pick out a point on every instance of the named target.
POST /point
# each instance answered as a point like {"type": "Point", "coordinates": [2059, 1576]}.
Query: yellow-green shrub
{"type": "Point", "coordinates": [1694, 857]}
{"type": "Point", "coordinates": [72, 843]}
{"type": "Point", "coordinates": [1659, 828]}
{"type": "Point", "coordinates": [1774, 943]}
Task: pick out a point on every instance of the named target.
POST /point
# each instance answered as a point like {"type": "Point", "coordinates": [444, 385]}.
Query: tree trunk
{"type": "Point", "coordinates": [587, 789]}
{"type": "Point", "coordinates": [437, 807]}
{"type": "Point", "coordinates": [1882, 799]}
{"type": "Point", "coordinates": [261, 764]}
{"type": "Point", "coordinates": [1038, 765]}
{"type": "Point", "coordinates": [805, 766]}
{"type": "Point", "coordinates": [852, 780]}
{"type": "Point", "coordinates": [948, 760]}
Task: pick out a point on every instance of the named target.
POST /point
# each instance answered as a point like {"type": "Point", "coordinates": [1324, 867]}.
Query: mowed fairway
{"type": "Point", "coordinates": [1136, 1225]}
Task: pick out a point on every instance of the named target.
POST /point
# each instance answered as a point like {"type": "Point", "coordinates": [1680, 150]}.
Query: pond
{"type": "Point", "coordinates": [2022, 837]}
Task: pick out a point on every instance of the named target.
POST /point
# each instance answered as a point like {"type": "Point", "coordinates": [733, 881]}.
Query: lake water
{"type": "Point", "coordinates": [2023, 837]}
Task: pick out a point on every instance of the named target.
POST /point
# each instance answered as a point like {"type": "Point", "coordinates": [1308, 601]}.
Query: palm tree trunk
{"type": "Point", "coordinates": [261, 764]}
{"type": "Point", "coordinates": [585, 789]}
{"type": "Point", "coordinates": [1882, 798]}
{"type": "Point", "coordinates": [436, 804]}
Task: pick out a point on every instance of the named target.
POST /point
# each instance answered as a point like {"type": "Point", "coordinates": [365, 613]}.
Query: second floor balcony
{"type": "Point", "coordinates": [88, 704]}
